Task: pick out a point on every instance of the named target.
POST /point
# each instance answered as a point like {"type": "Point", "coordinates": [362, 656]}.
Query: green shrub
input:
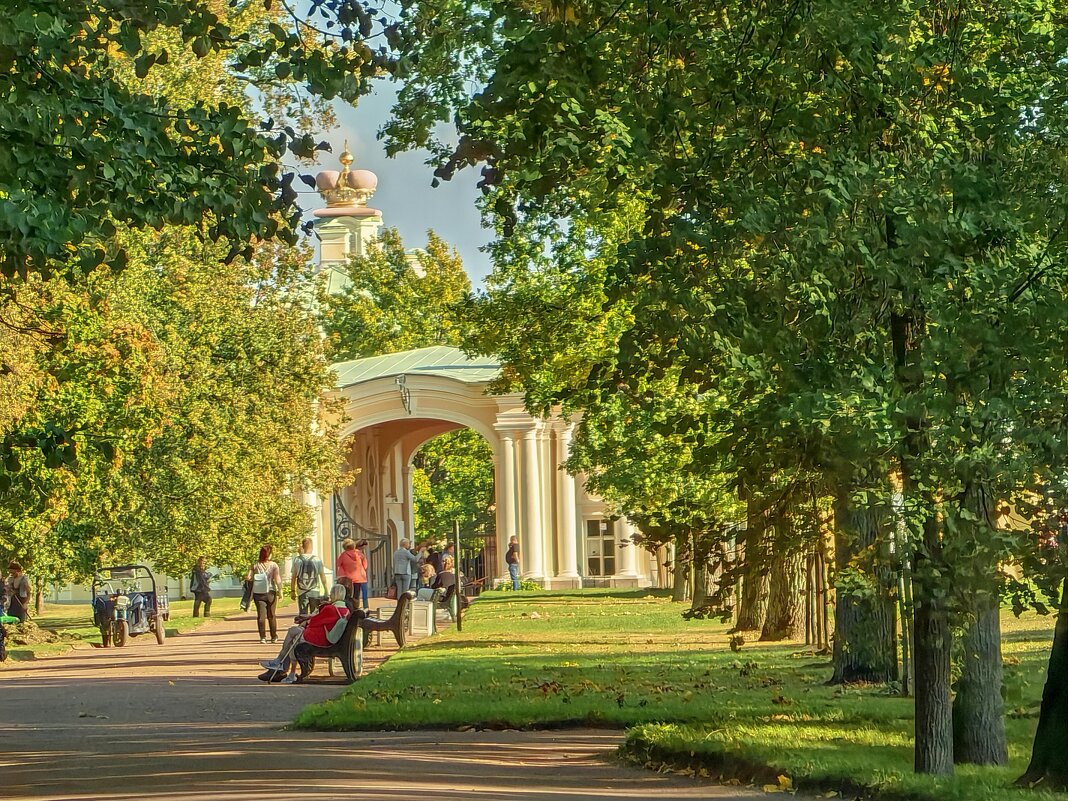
{"type": "Point", "coordinates": [525, 585]}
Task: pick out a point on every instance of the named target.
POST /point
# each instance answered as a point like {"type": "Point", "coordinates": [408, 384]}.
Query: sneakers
{"type": "Point", "coordinates": [292, 678]}
{"type": "Point", "coordinates": [274, 639]}
{"type": "Point", "coordinates": [272, 664]}
{"type": "Point", "coordinates": [263, 640]}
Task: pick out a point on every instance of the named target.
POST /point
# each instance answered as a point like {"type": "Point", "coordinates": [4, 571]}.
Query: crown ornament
{"type": "Point", "coordinates": [347, 188]}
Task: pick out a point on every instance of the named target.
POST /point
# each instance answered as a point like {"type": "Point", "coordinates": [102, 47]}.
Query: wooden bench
{"type": "Point", "coordinates": [348, 650]}
{"type": "Point", "coordinates": [448, 599]}
{"type": "Point", "coordinates": [397, 623]}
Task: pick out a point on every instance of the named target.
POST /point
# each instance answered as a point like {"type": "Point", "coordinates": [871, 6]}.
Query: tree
{"type": "Point", "coordinates": [453, 482]}
{"type": "Point", "coordinates": [890, 175]}
{"type": "Point", "coordinates": [167, 408]}
{"type": "Point", "coordinates": [193, 390]}
{"type": "Point", "coordinates": [396, 300]}
{"type": "Point", "coordinates": [87, 151]}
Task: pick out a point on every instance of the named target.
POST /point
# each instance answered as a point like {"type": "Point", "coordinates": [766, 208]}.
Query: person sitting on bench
{"type": "Point", "coordinates": [447, 580]}
{"type": "Point", "coordinates": [322, 630]}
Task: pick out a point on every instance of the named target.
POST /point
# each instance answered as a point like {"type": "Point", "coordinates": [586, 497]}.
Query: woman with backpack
{"type": "Point", "coordinates": [266, 585]}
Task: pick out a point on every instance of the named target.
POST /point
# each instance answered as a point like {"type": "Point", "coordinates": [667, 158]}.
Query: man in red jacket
{"type": "Point", "coordinates": [322, 630]}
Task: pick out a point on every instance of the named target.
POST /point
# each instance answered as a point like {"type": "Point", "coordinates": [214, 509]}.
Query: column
{"type": "Point", "coordinates": [321, 534]}
{"type": "Point", "coordinates": [530, 542]}
{"type": "Point", "coordinates": [568, 512]}
{"type": "Point", "coordinates": [506, 527]}
{"type": "Point", "coordinates": [409, 501]}
{"type": "Point", "coordinates": [629, 556]}
{"type": "Point", "coordinates": [546, 480]}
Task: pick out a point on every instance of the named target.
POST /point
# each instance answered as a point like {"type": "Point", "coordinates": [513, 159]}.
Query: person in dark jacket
{"type": "Point", "coordinates": [200, 586]}
{"type": "Point", "coordinates": [433, 558]}
{"type": "Point", "coordinates": [511, 558]}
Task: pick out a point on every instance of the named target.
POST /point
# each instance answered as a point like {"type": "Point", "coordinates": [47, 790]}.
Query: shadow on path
{"type": "Point", "coordinates": [188, 720]}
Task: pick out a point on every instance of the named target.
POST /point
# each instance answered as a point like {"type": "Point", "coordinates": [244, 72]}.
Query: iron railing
{"type": "Point", "coordinates": [379, 556]}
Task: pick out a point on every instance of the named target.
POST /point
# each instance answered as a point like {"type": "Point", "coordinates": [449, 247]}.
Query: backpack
{"type": "Point", "coordinates": [337, 631]}
{"type": "Point", "coordinates": [307, 575]}
{"type": "Point", "coordinates": [261, 582]}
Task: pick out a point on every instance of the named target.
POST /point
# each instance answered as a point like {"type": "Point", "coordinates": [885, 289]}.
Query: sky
{"type": "Point", "coordinates": [405, 197]}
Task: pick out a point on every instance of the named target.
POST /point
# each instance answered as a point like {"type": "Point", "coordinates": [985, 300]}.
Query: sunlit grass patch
{"type": "Point", "coordinates": [602, 658]}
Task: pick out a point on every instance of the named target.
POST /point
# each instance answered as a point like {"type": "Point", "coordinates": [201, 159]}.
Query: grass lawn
{"type": "Point", "coordinates": [73, 623]}
{"type": "Point", "coordinates": [605, 658]}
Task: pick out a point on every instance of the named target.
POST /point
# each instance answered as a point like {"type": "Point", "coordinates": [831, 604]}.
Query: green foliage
{"type": "Point", "coordinates": [167, 409]}
{"type": "Point", "coordinates": [396, 300]}
{"type": "Point", "coordinates": [452, 480]}
{"type": "Point", "coordinates": [191, 392]}
{"type": "Point", "coordinates": [88, 151]}
{"type": "Point", "coordinates": [524, 586]}
{"type": "Point", "coordinates": [885, 170]}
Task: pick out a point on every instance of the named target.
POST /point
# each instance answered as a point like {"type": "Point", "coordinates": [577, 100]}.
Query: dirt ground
{"type": "Point", "coordinates": [188, 720]}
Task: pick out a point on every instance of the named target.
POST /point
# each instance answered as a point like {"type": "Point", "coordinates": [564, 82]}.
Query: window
{"type": "Point", "coordinates": [600, 547]}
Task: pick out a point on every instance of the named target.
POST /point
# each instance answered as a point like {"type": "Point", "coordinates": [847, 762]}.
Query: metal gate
{"type": "Point", "coordinates": [379, 554]}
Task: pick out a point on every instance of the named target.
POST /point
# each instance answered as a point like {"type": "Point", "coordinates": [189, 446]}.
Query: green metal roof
{"type": "Point", "coordinates": [441, 361]}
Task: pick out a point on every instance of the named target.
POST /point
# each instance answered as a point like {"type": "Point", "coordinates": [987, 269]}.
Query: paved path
{"type": "Point", "coordinates": [189, 721]}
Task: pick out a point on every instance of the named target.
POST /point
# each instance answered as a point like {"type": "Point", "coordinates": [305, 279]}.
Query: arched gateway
{"type": "Point", "coordinates": [393, 404]}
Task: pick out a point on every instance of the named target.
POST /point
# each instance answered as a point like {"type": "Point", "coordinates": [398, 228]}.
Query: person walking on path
{"type": "Point", "coordinates": [266, 586]}
{"type": "Point", "coordinates": [511, 558]}
{"type": "Point", "coordinates": [351, 570]}
{"type": "Point", "coordinates": [404, 563]}
{"type": "Point", "coordinates": [17, 592]}
{"type": "Point", "coordinates": [308, 576]}
{"type": "Point", "coordinates": [200, 586]}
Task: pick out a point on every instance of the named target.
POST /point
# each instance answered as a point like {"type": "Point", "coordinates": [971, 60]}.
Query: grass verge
{"type": "Point", "coordinates": [603, 658]}
{"type": "Point", "coordinates": [73, 626]}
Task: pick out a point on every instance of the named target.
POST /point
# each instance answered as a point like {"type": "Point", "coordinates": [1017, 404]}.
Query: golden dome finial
{"type": "Point", "coordinates": [348, 188]}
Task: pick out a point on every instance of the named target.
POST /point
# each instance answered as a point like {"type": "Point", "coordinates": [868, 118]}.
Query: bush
{"type": "Point", "coordinates": [525, 585]}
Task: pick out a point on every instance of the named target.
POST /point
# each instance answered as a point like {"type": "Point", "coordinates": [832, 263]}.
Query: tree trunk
{"type": "Point", "coordinates": [826, 598]}
{"type": "Point", "coordinates": [753, 599]}
{"type": "Point", "coordinates": [680, 568]}
{"type": "Point", "coordinates": [38, 597]}
{"type": "Point", "coordinates": [931, 660]}
{"type": "Point", "coordinates": [700, 584]}
{"type": "Point", "coordinates": [864, 649]}
{"type": "Point", "coordinates": [978, 709]}
{"type": "Point", "coordinates": [786, 599]}
{"type": "Point", "coordinates": [932, 637]}
{"type": "Point", "coordinates": [1049, 755]}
